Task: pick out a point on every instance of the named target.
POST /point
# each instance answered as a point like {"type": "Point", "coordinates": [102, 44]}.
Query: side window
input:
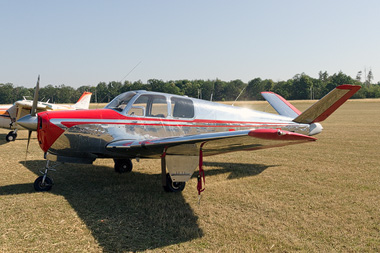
{"type": "Point", "coordinates": [150, 106]}
{"type": "Point", "coordinates": [159, 107]}
{"type": "Point", "coordinates": [139, 106]}
{"type": "Point", "coordinates": [182, 107]}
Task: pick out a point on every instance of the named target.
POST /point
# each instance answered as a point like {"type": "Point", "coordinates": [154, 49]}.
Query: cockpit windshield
{"type": "Point", "coordinates": [121, 101]}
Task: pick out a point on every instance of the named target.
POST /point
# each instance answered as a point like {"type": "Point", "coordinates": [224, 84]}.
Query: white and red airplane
{"type": "Point", "coordinates": [176, 129]}
{"type": "Point", "coordinates": [9, 114]}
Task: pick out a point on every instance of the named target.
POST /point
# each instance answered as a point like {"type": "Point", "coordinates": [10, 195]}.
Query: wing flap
{"type": "Point", "coordinates": [213, 143]}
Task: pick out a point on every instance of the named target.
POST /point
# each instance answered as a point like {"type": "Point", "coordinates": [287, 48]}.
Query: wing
{"type": "Point", "coordinates": [28, 104]}
{"type": "Point", "coordinates": [211, 143]}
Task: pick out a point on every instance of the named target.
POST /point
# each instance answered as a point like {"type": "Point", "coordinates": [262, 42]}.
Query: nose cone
{"type": "Point", "coordinates": [29, 122]}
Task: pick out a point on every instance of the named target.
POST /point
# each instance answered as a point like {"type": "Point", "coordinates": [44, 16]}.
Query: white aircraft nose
{"type": "Point", "coordinates": [29, 122]}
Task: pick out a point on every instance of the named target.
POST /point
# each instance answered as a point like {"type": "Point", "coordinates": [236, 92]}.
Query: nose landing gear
{"type": "Point", "coordinates": [44, 183]}
{"type": "Point", "coordinates": [11, 136]}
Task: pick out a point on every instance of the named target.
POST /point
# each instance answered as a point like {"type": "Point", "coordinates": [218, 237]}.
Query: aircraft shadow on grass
{"type": "Point", "coordinates": [128, 212]}
{"type": "Point", "coordinates": [2, 139]}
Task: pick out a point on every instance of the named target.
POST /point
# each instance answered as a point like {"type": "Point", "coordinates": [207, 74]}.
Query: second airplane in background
{"type": "Point", "coordinates": [11, 113]}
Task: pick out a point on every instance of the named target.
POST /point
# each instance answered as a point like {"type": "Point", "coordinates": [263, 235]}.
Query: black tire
{"type": "Point", "coordinates": [38, 186]}
{"type": "Point", "coordinates": [123, 165]}
{"type": "Point", "coordinates": [173, 186]}
{"type": "Point", "coordinates": [11, 136]}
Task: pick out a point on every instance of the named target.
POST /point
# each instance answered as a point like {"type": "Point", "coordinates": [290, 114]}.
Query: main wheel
{"type": "Point", "coordinates": [123, 165]}
{"type": "Point", "coordinates": [11, 136]}
{"type": "Point", "coordinates": [173, 186]}
{"type": "Point", "coordinates": [43, 187]}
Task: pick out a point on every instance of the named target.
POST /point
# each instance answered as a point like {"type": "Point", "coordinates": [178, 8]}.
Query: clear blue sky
{"type": "Point", "coordinates": [86, 42]}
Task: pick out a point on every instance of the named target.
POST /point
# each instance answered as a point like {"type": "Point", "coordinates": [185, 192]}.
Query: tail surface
{"type": "Point", "coordinates": [84, 101]}
{"type": "Point", "coordinates": [280, 104]}
{"type": "Point", "coordinates": [328, 104]}
{"type": "Point", "coordinates": [317, 112]}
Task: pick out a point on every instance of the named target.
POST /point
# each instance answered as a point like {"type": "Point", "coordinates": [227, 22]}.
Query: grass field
{"type": "Point", "coordinates": [321, 197]}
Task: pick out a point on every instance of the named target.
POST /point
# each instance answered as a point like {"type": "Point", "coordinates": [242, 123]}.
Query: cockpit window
{"type": "Point", "coordinates": [182, 107]}
{"type": "Point", "coordinates": [121, 101]}
{"type": "Point", "coordinates": [150, 106]}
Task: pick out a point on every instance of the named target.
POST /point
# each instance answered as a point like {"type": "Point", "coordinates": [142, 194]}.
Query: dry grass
{"type": "Point", "coordinates": [321, 196]}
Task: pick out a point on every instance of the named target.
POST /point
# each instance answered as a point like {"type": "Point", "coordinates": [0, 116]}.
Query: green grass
{"type": "Point", "coordinates": [321, 196]}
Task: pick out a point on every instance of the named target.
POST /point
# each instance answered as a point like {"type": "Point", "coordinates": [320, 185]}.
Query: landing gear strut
{"type": "Point", "coordinates": [44, 183]}
{"type": "Point", "coordinates": [11, 136]}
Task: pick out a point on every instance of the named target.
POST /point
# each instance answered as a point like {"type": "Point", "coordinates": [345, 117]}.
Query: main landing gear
{"type": "Point", "coordinates": [167, 182]}
{"type": "Point", "coordinates": [123, 165]}
{"type": "Point", "coordinates": [171, 186]}
{"type": "Point", "coordinates": [44, 183]}
{"type": "Point", "coordinates": [11, 136]}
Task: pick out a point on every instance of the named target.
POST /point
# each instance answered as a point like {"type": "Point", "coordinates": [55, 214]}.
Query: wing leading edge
{"type": "Point", "coordinates": [212, 143]}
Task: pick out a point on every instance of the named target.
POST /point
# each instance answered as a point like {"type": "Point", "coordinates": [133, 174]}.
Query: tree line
{"type": "Point", "coordinates": [301, 86]}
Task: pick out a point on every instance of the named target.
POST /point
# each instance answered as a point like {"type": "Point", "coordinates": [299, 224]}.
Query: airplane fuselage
{"type": "Point", "coordinates": [83, 136]}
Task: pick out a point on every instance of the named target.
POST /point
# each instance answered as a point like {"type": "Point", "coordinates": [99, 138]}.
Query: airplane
{"type": "Point", "coordinates": [9, 114]}
{"type": "Point", "coordinates": [179, 130]}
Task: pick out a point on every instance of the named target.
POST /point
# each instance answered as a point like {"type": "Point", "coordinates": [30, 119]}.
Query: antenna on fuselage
{"type": "Point", "coordinates": [239, 95]}
{"type": "Point", "coordinates": [96, 95]}
{"type": "Point", "coordinates": [212, 93]}
{"type": "Point", "coordinates": [131, 71]}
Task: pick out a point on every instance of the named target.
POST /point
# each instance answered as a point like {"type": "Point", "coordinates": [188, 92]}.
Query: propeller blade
{"type": "Point", "coordinates": [35, 98]}
{"type": "Point", "coordinates": [27, 145]}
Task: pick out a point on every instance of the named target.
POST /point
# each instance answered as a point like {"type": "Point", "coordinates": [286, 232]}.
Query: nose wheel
{"type": "Point", "coordinates": [11, 136]}
{"type": "Point", "coordinates": [44, 183]}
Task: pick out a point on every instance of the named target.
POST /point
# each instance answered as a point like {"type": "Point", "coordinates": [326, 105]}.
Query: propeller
{"type": "Point", "coordinates": [32, 117]}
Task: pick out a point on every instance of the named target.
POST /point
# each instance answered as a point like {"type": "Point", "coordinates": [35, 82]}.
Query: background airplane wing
{"type": "Point", "coordinates": [212, 143]}
{"type": "Point", "coordinates": [28, 104]}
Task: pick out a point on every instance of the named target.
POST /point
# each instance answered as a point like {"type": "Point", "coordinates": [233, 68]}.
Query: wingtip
{"type": "Point", "coordinates": [349, 87]}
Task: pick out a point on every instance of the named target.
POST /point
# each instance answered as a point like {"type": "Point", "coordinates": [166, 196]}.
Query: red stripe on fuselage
{"type": "Point", "coordinates": [71, 124]}
{"type": "Point", "coordinates": [95, 117]}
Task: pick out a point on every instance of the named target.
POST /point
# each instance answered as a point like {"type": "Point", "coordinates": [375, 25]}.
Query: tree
{"type": "Point", "coordinates": [301, 86]}
{"type": "Point", "coordinates": [284, 88]}
{"type": "Point", "coordinates": [219, 90]}
{"type": "Point", "coordinates": [155, 84]}
{"type": "Point", "coordinates": [6, 93]}
{"type": "Point", "coordinates": [114, 89]}
{"type": "Point", "coordinates": [323, 76]}
{"type": "Point", "coordinates": [102, 93]}
{"type": "Point", "coordinates": [233, 89]}
{"type": "Point", "coordinates": [359, 76]}
{"type": "Point", "coordinates": [50, 93]}
{"type": "Point", "coordinates": [255, 86]}
{"type": "Point", "coordinates": [369, 77]}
